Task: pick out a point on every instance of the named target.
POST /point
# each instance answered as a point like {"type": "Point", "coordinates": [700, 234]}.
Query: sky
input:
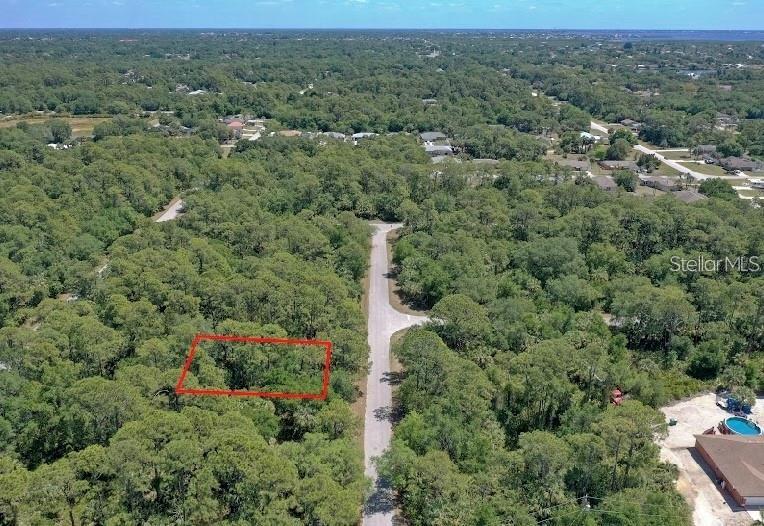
{"type": "Point", "coordinates": [482, 14]}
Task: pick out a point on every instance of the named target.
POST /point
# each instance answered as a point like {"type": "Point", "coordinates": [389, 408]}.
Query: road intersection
{"type": "Point", "coordinates": [384, 321]}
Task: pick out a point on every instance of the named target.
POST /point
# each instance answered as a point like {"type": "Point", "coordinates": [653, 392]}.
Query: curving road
{"type": "Point", "coordinates": [384, 321]}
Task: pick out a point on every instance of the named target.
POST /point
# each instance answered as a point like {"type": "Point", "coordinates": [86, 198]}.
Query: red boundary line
{"type": "Point", "coordinates": [180, 390]}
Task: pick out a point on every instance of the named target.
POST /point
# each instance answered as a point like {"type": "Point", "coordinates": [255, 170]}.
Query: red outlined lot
{"type": "Point", "coordinates": [327, 345]}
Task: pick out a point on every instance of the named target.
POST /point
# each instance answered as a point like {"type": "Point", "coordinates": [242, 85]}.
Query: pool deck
{"type": "Point", "coordinates": [710, 506]}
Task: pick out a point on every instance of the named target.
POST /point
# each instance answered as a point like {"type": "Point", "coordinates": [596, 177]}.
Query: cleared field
{"type": "Point", "coordinates": [677, 156]}
{"type": "Point", "coordinates": [708, 169]}
{"type": "Point", "coordinates": [80, 125]}
{"type": "Point", "coordinates": [666, 170]}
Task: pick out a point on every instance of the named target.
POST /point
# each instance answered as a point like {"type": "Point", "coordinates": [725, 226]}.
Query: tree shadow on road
{"type": "Point", "coordinates": [382, 500]}
{"type": "Point", "coordinates": [393, 377]}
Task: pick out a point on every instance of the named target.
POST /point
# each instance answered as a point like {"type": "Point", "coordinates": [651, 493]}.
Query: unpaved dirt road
{"type": "Point", "coordinates": [384, 321]}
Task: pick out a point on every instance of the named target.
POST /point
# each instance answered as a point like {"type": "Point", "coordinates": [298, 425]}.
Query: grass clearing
{"type": "Point", "coordinates": [677, 156]}
{"type": "Point", "coordinates": [752, 193]}
{"type": "Point", "coordinates": [708, 169]}
{"type": "Point", "coordinates": [666, 170]}
{"type": "Point", "coordinates": [80, 125]}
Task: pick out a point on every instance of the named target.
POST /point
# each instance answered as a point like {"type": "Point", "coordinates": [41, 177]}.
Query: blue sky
{"type": "Point", "coordinates": [532, 14]}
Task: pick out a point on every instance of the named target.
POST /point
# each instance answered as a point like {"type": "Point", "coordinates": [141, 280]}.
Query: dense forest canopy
{"type": "Point", "coordinates": [546, 292]}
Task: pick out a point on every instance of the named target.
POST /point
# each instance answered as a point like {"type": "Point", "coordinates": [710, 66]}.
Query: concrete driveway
{"type": "Point", "coordinates": [710, 505]}
{"type": "Point", "coordinates": [384, 321]}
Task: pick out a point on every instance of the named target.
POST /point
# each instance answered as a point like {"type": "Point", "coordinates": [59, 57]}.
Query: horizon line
{"type": "Point", "coordinates": [285, 28]}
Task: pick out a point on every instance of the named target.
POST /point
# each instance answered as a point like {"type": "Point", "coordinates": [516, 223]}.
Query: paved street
{"type": "Point", "coordinates": [669, 162]}
{"type": "Point", "coordinates": [384, 321]}
{"type": "Point", "coordinates": [599, 128]}
{"type": "Point", "coordinates": [171, 212]}
{"type": "Point", "coordinates": [674, 164]}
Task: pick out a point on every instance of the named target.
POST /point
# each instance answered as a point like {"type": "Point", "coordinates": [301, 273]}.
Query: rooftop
{"type": "Point", "coordinates": [739, 458]}
{"type": "Point", "coordinates": [432, 136]}
{"type": "Point", "coordinates": [689, 196]}
{"type": "Point", "coordinates": [605, 182]}
{"type": "Point", "coordinates": [440, 149]}
{"type": "Point", "coordinates": [573, 163]}
{"type": "Point", "coordinates": [628, 165]}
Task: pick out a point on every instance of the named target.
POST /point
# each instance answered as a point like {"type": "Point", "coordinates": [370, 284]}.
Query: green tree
{"type": "Point", "coordinates": [627, 180]}
{"type": "Point", "coordinates": [460, 321]}
{"type": "Point", "coordinates": [715, 187]}
{"type": "Point", "coordinates": [60, 130]}
{"type": "Point", "coordinates": [618, 150]}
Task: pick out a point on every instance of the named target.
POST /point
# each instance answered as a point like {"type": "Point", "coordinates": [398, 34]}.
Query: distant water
{"type": "Point", "coordinates": [620, 34]}
{"type": "Point", "coordinates": [655, 34]}
{"type": "Point", "coordinates": [609, 34]}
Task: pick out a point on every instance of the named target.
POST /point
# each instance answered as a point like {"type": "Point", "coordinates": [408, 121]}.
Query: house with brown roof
{"type": "Point", "coordinates": [236, 126]}
{"type": "Point", "coordinates": [737, 461]}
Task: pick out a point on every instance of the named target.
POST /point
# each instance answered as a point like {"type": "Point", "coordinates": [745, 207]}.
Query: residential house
{"type": "Point", "coordinates": [737, 462]}
{"type": "Point", "coordinates": [661, 182]}
{"type": "Point", "coordinates": [733, 164]}
{"type": "Point", "coordinates": [580, 166]}
{"type": "Point", "coordinates": [361, 136]}
{"type": "Point", "coordinates": [236, 126]}
{"type": "Point", "coordinates": [435, 150]}
{"type": "Point", "coordinates": [290, 133]}
{"type": "Point", "coordinates": [631, 124]}
{"type": "Point", "coordinates": [619, 165]}
{"type": "Point", "coordinates": [335, 135]}
{"type": "Point", "coordinates": [689, 196]}
{"type": "Point", "coordinates": [725, 121]}
{"type": "Point", "coordinates": [606, 183]}
{"type": "Point", "coordinates": [432, 136]}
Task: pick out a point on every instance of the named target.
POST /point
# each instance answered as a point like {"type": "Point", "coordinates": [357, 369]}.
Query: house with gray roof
{"type": "Point", "coordinates": [434, 150]}
{"type": "Point", "coordinates": [432, 136]}
{"type": "Point", "coordinates": [689, 196]}
{"type": "Point", "coordinates": [605, 183]}
{"type": "Point", "coordinates": [619, 165]}
{"type": "Point", "coordinates": [660, 182]}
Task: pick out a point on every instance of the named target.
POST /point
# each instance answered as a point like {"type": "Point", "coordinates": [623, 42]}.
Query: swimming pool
{"type": "Point", "coordinates": [742, 426]}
